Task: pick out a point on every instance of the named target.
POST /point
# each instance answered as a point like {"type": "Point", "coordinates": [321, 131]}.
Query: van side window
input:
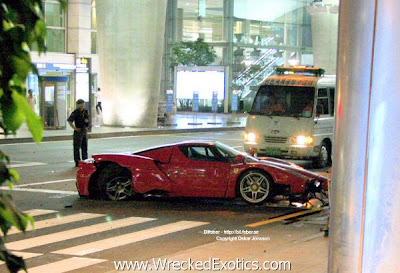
{"type": "Point", "coordinates": [332, 100]}
{"type": "Point", "coordinates": [322, 102]}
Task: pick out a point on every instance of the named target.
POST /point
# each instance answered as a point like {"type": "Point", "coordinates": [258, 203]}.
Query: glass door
{"type": "Point", "coordinates": [49, 105]}
{"type": "Point", "coordinates": [61, 110]}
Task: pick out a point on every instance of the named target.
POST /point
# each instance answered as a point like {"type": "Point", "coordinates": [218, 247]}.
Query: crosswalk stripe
{"type": "Point", "coordinates": [44, 183]}
{"type": "Point", "coordinates": [75, 233]}
{"type": "Point", "coordinates": [58, 221]}
{"type": "Point", "coordinates": [28, 164]}
{"type": "Point", "coordinates": [38, 212]}
{"type": "Point", "coordinates": [133, 237]}
{"type": "Point", "coordinates": [25, 255]}
{"type": "Point", "coordinates": [65, 265]}
{"type": "Point", "coordinates": [39, 190]}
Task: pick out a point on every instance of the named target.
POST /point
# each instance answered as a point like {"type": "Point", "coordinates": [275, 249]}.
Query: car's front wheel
{"type": "Point", "coordinates": [255, 187]}
{"type": "Point", "coordinates": [115, 182]}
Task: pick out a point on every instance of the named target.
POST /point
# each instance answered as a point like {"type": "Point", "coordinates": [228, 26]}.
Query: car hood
{"type": "Point", "coordinates": [289, 167]}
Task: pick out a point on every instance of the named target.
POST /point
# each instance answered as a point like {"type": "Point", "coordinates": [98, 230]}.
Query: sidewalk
{"type": "Point", "coordinates": [180, 123]}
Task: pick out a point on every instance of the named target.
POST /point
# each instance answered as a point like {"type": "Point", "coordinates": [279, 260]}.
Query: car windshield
{"type": "Point", "coordinates": [289, 101]}
{"type": "Point", "coordinates": [229, 153]}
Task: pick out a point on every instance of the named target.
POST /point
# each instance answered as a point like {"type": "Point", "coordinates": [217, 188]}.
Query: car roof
{"type": "Point", "coordinates": [181, 143]}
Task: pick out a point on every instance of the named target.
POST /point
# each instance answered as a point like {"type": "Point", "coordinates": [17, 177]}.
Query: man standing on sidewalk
{"type": "Point", "coordinates": [80, 122]}
{"type": "Point", "coordinates": [31, 100]}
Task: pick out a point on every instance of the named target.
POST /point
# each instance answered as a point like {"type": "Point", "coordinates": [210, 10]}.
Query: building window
{"type": "Point", "coordinates": [93, 33]}
{"type": "Point", "coordinates": [55, 22]}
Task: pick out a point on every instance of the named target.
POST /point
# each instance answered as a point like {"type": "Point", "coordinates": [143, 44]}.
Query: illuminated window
{"type": "Point", "coordinates": [55, 22]}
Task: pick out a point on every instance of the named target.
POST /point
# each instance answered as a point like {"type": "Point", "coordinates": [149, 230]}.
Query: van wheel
{"type": "Point", "coordinates": [323, 158]}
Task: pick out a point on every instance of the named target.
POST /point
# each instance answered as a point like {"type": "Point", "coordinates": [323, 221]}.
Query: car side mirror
{"type": "Point", "coordinates": [240, 159]}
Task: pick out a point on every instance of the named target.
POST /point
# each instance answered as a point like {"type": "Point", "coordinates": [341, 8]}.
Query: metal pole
{"type": "Point", "coordinates": [365, 207]}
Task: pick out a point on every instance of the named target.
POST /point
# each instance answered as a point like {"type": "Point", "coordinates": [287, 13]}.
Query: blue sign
{"type": "Point", "coordinates": [170, 100]}
{"type": "Point", "coordinates": [234, 101]}
{"type": "Point", "coordinates": [215, 101]}
{"type": "Point", "coordinates": [195, 107]}
{"type": "Point", "coordinates": [54, 66]}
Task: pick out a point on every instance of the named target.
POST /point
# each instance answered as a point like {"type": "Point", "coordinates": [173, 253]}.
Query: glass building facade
{"type": "Point", "coordinates": [250, 38]}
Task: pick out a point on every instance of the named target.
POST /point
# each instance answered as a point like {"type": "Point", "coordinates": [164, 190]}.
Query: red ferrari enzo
{"type": "Point", "coordinates": [194, 169]}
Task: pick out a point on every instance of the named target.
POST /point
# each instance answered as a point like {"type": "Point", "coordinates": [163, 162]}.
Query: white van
{"type": "Point", "coordinates": [292, 116]}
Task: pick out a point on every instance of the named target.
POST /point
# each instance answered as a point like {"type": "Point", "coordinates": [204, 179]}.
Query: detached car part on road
{"type": "Point", "coordinates": [194, 169]}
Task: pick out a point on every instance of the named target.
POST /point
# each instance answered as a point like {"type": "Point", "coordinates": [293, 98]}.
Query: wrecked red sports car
{"type": "Point", "coordinates": [194, 169]}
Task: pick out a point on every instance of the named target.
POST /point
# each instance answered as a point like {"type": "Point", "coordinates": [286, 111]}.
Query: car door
{"type": "Point", "coordinates": [198, 171]}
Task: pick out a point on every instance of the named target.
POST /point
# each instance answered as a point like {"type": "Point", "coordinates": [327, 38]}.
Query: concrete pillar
{"type": "Point", "coordinates": [324, 27]}
{"type": "Point", "coordinates": [169, 40]}
{"type": "Point", "coordinates": [365, 216]}
{"type": "Point", "coordinates": [79, 26]}
{"type": "Point", "coordinates": [179, 25]}
{"type": "Point", "coordinates": [228, 50]}
{"type": "Point", "coordinates": [286, 37]}
{"type": "Point", "coordinates": [299, 29]}
{"type": "Point", "coordinates": [130, 44]}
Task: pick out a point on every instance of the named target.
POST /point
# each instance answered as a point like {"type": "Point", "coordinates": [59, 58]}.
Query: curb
{"type": "Point", "coordinates": [122, 134]}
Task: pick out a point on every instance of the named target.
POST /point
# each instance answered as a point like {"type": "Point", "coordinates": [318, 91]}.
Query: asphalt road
{"type": "Point", "coordinates": [47, 183]}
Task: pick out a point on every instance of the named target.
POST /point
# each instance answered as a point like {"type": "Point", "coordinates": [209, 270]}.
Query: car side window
{"type": "Point", "coordinates": [199, 153]}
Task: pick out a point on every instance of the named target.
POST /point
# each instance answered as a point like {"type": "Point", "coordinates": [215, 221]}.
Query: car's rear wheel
{"type": "Point", "coordinates": [115, 183]}
{"type": "Point", "coordinates": [255, 187]}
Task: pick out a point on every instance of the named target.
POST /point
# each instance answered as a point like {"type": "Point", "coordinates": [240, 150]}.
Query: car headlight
{"type": "Point", "coordinates": [302, 140]}
{"type": "Point", "coordinates": [250, 137]}
{"type": "Point", "coordinates": [88, 161]}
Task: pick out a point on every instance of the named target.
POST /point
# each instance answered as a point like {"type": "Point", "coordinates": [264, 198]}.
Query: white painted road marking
{"type": "Point", "coordinates": [25, 255]}
{"type": "Point", "coordinates": [38, 212]}
{"type": "Point", "coordinates": [40, 190]}
{"type": "Point", "coordinates": [133, 237]}
{"type": "Point", "coordinates": [27, 164]}
{"type": "Point", "coordinates": [44, 183]}
{"type": "Point", "coordinates": [65, 265]}
{"type": "Point", "coordinates": [58, 221]}
{"type": "Point", "coordinates": [75, 233]}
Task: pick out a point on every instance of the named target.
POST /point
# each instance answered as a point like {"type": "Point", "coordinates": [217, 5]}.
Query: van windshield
{"type": "Point", "coordinates": [290, 101]}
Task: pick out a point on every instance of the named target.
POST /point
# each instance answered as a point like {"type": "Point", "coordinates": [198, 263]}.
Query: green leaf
{"type": "Point", "coordinates": [13, 174]}
{"type": "Point", "coordinates": [14, 263]}
{"type": "Point", "coordinates": [22, 66]}
{"type": "Point", "coordinates": [7, 217]}
{"type": "Point", "coordinates": [40, 34]}
{"type": "Point", "coordinates": [33, 121]}
{"type": "Point", "coordinates": [12, 116]}
{"type": "Point", "coordinates": [7, 25]}
{"type": "Point", "coordinates": [12, 215]}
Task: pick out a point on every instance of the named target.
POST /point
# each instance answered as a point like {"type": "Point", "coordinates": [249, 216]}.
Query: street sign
{"type": "Point", "coordinates": [215, 101]}
{"type": "Point", "coordinates": [195, 107]}
{"type": "Point", "coordinates": [235, 100]}
{"type": "Point", "coordinates": [170, 100]}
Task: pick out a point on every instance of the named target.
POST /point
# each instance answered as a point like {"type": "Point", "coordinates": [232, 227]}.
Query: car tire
{"type": "Point", "coordinates": [115, 183]}
{"type": "Point", "coordinates": [322, 160]}
{"type": "Point", "coordinates": [255, 187]}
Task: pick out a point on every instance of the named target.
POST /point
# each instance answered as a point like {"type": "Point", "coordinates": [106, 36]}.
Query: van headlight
{"type": "Point", "coordinates": [302, 140]}
{"type": "Point", "coordinates": [250, 137]}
